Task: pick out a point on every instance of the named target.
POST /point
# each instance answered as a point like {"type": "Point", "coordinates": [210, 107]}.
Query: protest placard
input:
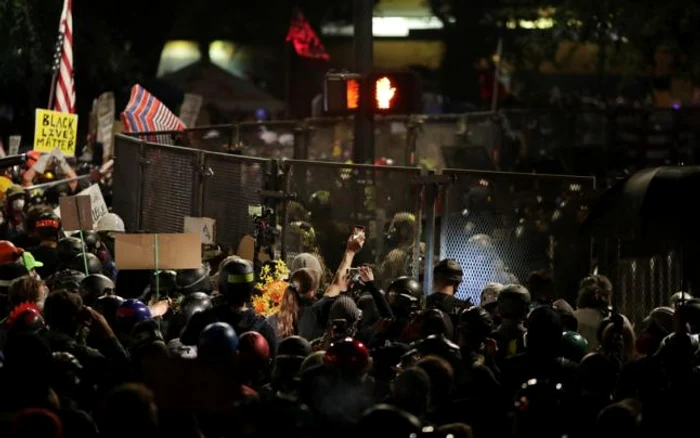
{"type": "Point", "coordinates": [15, 141]}
{"type": "Point", "coordinates": [158, 251]}
{"type": "Point", "coordinates": [76, 212]}
{"type": "Point", "coordinates": [98, 206]}
{"type": "Point", "coordinates": [204, 226]}
{"type": "Point", "coordinates": [55, 130]}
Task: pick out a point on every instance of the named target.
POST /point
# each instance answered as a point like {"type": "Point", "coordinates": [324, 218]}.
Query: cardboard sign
{"type": "Point", "coordinates": [189, 110]}
{"type": "Point", "coordinates": [15, 141]}
{"type": "Point", "coordinates": [76, 212]}
{"type": "Point", "coordinates": [55, 130]}
{"type": "Point", "coordinates": [175, 251]}
{"type": "Point", "coordinates": [204, 226]}
{"type": "Point", "coordinates": [98, 206]}
{"type": "Point", "coordinates": [105, 113]}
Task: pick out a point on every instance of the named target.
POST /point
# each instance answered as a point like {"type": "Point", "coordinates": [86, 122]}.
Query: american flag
{"type": "Point", "coordinates": [145, 113]}
{"type": "Point", "coordinates": [65, 88]}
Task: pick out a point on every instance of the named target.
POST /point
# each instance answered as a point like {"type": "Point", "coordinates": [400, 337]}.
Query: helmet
{"type": "Point", "coordinates": [217, 341]}
{"type": "Point", "coordinates": [348, 355]}
{"type": "Point", "coordinates": [90, 237]}
{"type": "Point", "coordinates": [94, 286]}
{"type": "Point", "coordinates": [25, 317]}
{"type": "Point", "coordinates": [236, 277]}
{"type": "Point", "coordinates": [538, 407]}
{"type": "Point", "coordinates": [107, 305]}
{"type": "Point", "coordinates": [94, 265]}
{"type": "Point", "coordinates": [8, 252]}
{"type": "Point", "coordinates": [193, 280]}
{"type": "Point", "coordinates": [47, 220]}
{"type": "Point", "coordinates": [448, 269]}
{"type": "Point", "coordinates": [14, 191]}
{"type": "Point", "coordinates": [320, 204]}
{"type": "Point", "coordinates": [573, 346]}
{"type": "Point", "coordinates": [129, 313]}
{"type": "Point", "coordinates": [164, 282]}
{"type": "Point", "coordinates": [405, 295]}
{"type": "Point", "coordinates": [678, 297]}
{"type": "Point", "coordinates": [381, 416]}
{"type": "Point", "coordinates": [195, 302]}
{"type": "Point", "coordinates": [294, 346]}
{"type": "Point", "coordinates": [513, 301]}
{"type": "Point", "coordinates": [254, 351]}
{"type": "Point", "coordinates": [66, 279]}
{"type": "Point", "coordinates": [110, 222]}
{"type": "Point", "coordinates": [68, 248]}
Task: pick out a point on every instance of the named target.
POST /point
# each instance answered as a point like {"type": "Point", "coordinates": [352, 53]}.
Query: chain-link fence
{"type": "Point", "coordinates": [332, 198]}
{"type": "Point", "coordinates": [169, 191]}
{"type": "Point", "coordinates": [503, 226]}
{"type": "Point", "coordinates": [231, 185]}
{"type": "Point", "coordinates": [647, 283]}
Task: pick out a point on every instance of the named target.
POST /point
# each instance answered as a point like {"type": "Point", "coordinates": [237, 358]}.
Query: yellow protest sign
{"type": "Point", "coordinates": [55, 130]}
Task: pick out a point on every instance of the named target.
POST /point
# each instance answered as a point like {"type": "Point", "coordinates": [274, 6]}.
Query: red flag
{"type": "Point", "coordinates": [306, 42]}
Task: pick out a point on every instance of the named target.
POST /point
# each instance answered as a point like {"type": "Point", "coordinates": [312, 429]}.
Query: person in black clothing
{"type": "Point", "coordinates": [294, 316]}
{"type": "Point", "coordinates": [47, 228]}
{"type": "Point", "coordinates": [447, 276]}
{"type": "Point", "coordinates": [236, 284]}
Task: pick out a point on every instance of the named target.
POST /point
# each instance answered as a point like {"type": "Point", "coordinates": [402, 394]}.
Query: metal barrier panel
{"type": "Point", "coordinates": [231, 184]}
{"type": "Point", "coordinates": [502, 226]}
{"type": "Point", "coordinates": [329, 139]}
{"type": "Point", "coordinates": [169, 186]}
{"type": "Point", "coordinates": [219, 138]}
{"type": "Point", "coordinates": [267, 139]}
{"type": "Point", "coordinates": [332, 198]}
{"type": "Point", "coordinates": [126, 177]}
{"type": "Point", "coordinates": [647, 283]}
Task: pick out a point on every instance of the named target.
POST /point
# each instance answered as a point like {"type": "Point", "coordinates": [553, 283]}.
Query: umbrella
{"type": "Point", "coordinates": [654, 206]}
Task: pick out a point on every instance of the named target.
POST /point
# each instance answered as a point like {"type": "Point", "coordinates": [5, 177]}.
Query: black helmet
{"type": "Point", "coordinates": [449, 270]}
{"type": "Point", "coordinates": [107, 305]}
{"type": "Point", "coordinates": [513, 301]}
{"type": "Point", "coordinates": [405, 295]}
{"type": "Point", "coordinates": [47, 220]}
{"type": "Point", "coordinates": [66, 279]}
{"type": "Point", "coordinates": [94, 286]}
{"type": "Point", "coordinates": [94, 265]}
{"type": "Point", "coordinates": [195, 302]}
{"type": "Point", "coordinates": [164, 281]}
{"type": "Point", "coordinates": [236, 278]}
{"type": "Point", "coordinates": [90, 237]}
{"type": "Point", "coordinates": [193, 280]}
{"type": "Point", "coordinates": [68, 248]}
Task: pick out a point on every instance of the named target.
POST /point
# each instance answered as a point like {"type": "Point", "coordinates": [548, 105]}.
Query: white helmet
{"type": "Point", "coordinates": [110, 222]}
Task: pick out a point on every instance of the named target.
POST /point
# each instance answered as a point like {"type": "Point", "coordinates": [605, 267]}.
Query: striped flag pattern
{"type": "Point", "coordinates": [65, 88]}
{"type": "Point", "coordinates": [145, 113]}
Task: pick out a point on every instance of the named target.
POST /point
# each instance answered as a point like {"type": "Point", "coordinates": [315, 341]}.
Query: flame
{"type": "Point", "coordinates": [384, 93]}
{"type": "Point", "coordinates": [352, 90]}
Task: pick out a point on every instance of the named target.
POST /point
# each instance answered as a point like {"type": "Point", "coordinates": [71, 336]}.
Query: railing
{"type": "Point", "coordinates": [577, 142]}
{"type": "Point", "coordinates": [499, 225]}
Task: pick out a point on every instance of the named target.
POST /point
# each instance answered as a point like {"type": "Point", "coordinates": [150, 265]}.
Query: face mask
{"type": "Point", "coordinates": [18, 204]}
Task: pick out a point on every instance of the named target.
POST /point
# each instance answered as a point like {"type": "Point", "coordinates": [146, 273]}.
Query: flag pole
{"type": "Point", "coordinates": [55, 69]}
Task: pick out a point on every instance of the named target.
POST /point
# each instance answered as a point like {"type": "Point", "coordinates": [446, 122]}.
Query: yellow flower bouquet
{"type": "Point", "coordinates": [271, 285]}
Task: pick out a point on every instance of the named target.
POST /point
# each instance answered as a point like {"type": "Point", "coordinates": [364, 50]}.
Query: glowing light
{"type": "Point", "coordinates": [352, 93]}
{"type": "Point", "coordinates": [385, 93]}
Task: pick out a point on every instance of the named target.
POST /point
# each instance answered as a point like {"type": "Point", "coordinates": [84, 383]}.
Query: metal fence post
{"type": "Point", "coordinates": [301, 140]}
{"type": "Point", "coordinates": [143, 162]}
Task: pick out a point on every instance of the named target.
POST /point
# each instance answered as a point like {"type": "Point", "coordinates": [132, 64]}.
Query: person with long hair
{"type": "Point", "coordinates": [294, 316]}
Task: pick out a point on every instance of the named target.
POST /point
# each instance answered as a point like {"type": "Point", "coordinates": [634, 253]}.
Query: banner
{"type": "Point", "coordinates": [15, 141]}
{"type": "Point", "coordinates": [55, 130]}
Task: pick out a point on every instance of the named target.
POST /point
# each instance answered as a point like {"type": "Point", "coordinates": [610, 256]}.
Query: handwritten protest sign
{"type": "Point", "coordinates": [55, 130]}
{"type": "Point", "coordinates": [98, 206]}
{"type": "Point", "coordinates": [203, 226]}
{"type": "Point", "coordinates": [76, 212]}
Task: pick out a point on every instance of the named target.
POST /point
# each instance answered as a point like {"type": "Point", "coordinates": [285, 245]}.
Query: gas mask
{"type": "Point", "coordinates": [18, 204]}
